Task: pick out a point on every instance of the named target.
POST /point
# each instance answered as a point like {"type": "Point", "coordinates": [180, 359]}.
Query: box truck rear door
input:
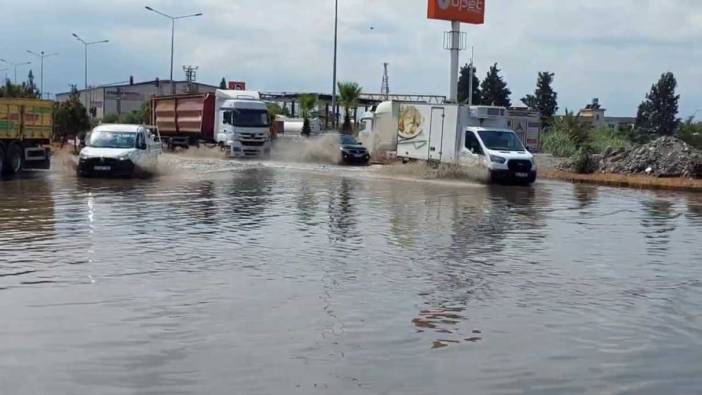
{"type": "Point", "coordinates": [436, 133]}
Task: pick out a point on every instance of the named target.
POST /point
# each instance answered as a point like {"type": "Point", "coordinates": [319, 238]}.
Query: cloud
{"type": "Point", "coordinates": [611, 49]}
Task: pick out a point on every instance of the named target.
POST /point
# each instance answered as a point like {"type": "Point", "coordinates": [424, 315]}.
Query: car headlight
{"type": "Point", "coordinates": [82, 156]}
{"type": "Point", "coordinates": [497, 159]}
{"type": "Point", "coordinates": [125, 157]}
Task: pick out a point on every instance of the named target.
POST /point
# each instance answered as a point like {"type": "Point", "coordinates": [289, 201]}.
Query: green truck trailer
{"type": "Point", "coordinates": [26, 127]}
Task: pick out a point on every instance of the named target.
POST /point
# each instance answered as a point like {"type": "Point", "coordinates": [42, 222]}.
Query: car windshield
{"type": "Point", "coordinates": [250, 118]}
{"type": "Point", "coordinates": [498, 140]}
{"type": "Point", "coordinates": [346, 139]}
{"type": "Point", "coordinates": [103, 139]}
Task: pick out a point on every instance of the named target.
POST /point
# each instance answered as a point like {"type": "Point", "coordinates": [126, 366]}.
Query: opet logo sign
{"type": "Point", "coordinates": [468, 11]}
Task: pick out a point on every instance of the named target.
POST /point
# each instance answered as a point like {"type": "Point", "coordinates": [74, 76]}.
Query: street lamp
{"type": "Point", "coordinates": [336, 26]}
{"type": "Point", "coordinates": [173, 19]}
{"type": "Point", "coordinates": [15, 65]}
{"type": "Point", "coordinates": [42, 55]}
{"type": "Point", "coordinates": [86, 44]}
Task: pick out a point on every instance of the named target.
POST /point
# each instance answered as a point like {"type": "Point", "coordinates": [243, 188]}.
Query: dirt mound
{"type": "Point", "coordinates": [664, 157]}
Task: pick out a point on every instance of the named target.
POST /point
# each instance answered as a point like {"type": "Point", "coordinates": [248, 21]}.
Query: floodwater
{"type": "Point", "coordinates": [229, 278]}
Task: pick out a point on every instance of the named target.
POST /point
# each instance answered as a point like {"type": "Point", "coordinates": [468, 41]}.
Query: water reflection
{"type": "Point", "coordinates": [585, 195]}
{"type": "Point", "coordinates": [658, 222]}
{"type": "Point", "coordinates": [306, 202]}
{"type": "Point", "coordinates": [342, 212]}
{"type": "Point", "coordinates": [248, 197]}
{"type": "Point", "coordinates": [479, 227]}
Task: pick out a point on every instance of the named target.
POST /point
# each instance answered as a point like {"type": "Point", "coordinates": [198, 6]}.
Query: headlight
{"type": "Point", "coordinates": [82, 156]}
{"type": "Point", "coordinates": [497, 159]}
{"type": "Point", "coordinates": [123, 157]}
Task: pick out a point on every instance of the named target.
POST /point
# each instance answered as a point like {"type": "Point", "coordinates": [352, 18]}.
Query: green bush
{"type": "Point", "coordinates": [602, 138]}
{"type": "Point", "coordinates": [110, 118]}
{"type": "Point", "coordinates": [691, 133]}
{"type": "Point", "coordinates": [558, 143]}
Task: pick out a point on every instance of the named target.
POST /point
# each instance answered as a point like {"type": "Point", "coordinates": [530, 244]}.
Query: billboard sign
{"type": "Point", "coordinates": [467, 11]}
{"type": "Point", "coordinates": [237, 85]}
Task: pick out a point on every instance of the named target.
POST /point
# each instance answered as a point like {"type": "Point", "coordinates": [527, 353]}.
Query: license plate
{"type": "Point", "coordinates": [522, 175]}
{"type": "Point", "coordinates": [102, 168]}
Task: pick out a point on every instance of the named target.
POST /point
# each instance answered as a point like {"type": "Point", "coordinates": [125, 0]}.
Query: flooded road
{"type": "Point", "coordinates": [223, 278]}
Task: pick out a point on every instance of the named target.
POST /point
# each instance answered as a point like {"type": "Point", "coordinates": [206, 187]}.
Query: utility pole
{"type": "Point", "coordinates": [42, 55]}
{"type": "Point", "coordinates": [173, 19]}
{"type": "Point", "coordinates": [385, 86]}
{"type": "Point", "coordinates": [470, 79]}
{"type": "Point", "coordinates": [87, 44]}
{"type": "Point", "coordinates": [336, 28]}
{"type": "Point", "coordinates": [15, 65]}
{"type": "Point", "coordinates": [455, 48]}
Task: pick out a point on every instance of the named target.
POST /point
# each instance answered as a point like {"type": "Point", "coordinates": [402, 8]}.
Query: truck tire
{"type": "Point", "coordinates": [14, 159]}
{"type": "Point", "coordinates": [2, 159]}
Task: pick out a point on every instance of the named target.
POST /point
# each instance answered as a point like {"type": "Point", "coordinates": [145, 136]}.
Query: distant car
{"type": "Point", "coordinates": [352, 152]}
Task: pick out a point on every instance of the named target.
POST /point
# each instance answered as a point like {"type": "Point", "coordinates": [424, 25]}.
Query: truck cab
{"type": "Point", "coordinates": [243, 124]}
{"type": "Point", "coordinates": [120, 150]}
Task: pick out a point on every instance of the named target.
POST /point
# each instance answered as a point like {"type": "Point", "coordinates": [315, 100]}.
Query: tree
{"type": "Point", "coordinates": [464, 85]}
{"type": "Point", "coordinates": [223, 84]}
{"type": "Point", "coordinates": [349, 93]}
{"type": "Point", "coordinates": [494, 91]}
{"type": "Point", "coordinates": [657, 114]}
{"type": "Point", "coordinates": [307, 103]}
{"type": "Point", "coordinates": [31, 86]}
{"type": "Point", "coordinates": [70, 117]}
{"type": "Point", "coordinates": [25, 90]}
{"type": "Point", "coordinates": [544, 99]}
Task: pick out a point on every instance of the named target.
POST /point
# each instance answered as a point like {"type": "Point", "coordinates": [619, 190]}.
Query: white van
{"type": "Point", "coordinates": [120, 150]}
{"type": "Point", "coordinates": [242, 123]}
{"type": "Point", "coordinates": [475, 136]}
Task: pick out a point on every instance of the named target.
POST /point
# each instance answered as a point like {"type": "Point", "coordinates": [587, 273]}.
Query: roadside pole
{"type": "Point", "coordinates": [455, 49]}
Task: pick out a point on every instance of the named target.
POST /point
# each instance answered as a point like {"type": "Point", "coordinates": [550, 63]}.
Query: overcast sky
{"type": "Point", "coordinates": [611, 49]}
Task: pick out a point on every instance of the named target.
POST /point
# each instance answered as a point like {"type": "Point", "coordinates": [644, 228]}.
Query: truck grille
{"type": "Point", "coordinates": [519, 165]}
{"type": "Point", "coordinates": [101, 162]}
{"type": "Point", "coordinates": [253, 143]}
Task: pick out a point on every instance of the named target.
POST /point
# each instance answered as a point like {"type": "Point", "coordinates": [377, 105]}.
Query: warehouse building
{"type": "Point", "coordinates": [124, 98]}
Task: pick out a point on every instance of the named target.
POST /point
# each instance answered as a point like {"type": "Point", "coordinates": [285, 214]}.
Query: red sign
{"type": "Point", "coordinates": [467, 11]}
{"type": "Point", "coordinates": [237, 85]}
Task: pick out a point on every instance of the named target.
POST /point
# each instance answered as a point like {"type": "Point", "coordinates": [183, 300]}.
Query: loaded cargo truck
{"type": "Point", "coordinates": [26, 127]}
{"type": "Point", "coordinates": [237, 120]}
{"type": "Point", "coordinates": [470, 137]}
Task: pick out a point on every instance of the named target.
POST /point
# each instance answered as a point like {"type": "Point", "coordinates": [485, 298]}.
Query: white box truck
{"type": "Point", "coordinates": [242, 123]}
{"type": "Point", "coordinates": [475, 136]}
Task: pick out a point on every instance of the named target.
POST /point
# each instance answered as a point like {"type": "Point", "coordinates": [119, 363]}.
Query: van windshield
{"type": "Point", "coordinates": [102, 139]}
{"type": "Point", "coordinates": [499, 140]}
{"type": "Point", "coordinates": [246, 118]}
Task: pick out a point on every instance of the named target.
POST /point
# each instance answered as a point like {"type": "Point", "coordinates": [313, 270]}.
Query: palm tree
{"type": "Point", "coordinates": [307, 103]}
{"type": "Point", "coordinates": [349, 93]}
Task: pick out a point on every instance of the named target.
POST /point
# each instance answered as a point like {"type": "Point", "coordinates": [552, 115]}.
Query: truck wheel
{"type": "Point", "coordinates": [15, 159]}
{"type": "Point", "coordinates": [2, 159]}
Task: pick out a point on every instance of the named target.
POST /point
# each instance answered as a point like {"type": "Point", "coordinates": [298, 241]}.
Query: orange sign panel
{"type": "Point", "coordinates": [468, 11]}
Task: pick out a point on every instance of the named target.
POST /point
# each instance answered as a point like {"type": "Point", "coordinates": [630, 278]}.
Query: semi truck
{"type": "Point", "coordinates": [235, 120]}
{"type": "Point", "coordinates": [466, 136]}
{"type": "Point", "coordinates": [26, 128]}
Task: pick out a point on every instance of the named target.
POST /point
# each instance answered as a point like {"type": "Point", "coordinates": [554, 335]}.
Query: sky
{"type": "Point", "coordinates": [610, 49]}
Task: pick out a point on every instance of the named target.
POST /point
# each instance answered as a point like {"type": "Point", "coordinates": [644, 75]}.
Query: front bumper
{"type": "Point", "coordinates": [354, 158]}
{"type": "Point", "coordinates": [512, 177]}
{"type": "Point", "coordinates": [105, 167]}
{"type": "Point", "coordinates": [249, 149]}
